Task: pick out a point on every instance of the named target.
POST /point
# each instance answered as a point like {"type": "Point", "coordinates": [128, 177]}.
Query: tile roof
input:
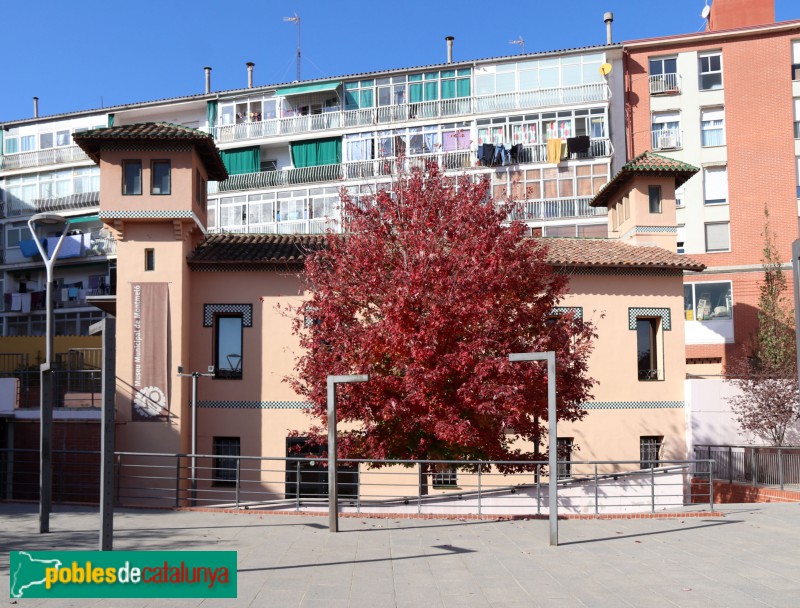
{"type": "Point", "coordinates": [573, 252]}
{"type": "Point", "coordinates": [259, 249]}
{"type": "Point", "coordinates": [612, 253]}
{"type": "Point", "coordinates": [92, 141]}
{"type": "Point", "coordinates": [646, 163]}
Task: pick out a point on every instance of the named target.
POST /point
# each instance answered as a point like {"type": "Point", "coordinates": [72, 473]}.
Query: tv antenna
{"type": "Point", "coordinates": [296, 20]}
{"type": "Point", "coordinates": [521, 44]}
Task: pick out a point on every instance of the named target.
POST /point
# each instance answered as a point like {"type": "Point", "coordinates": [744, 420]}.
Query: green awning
{"type": "Point", "coordinates": [84, 218]}
{"type": "Point", "coordinates": [309, 88]}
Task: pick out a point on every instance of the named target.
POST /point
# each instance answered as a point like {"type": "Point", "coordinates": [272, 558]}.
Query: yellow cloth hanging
{"type": "Point", "coordinates": [553, 151]}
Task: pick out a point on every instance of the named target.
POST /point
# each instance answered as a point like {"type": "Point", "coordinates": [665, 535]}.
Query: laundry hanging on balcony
{"type": "Point", "coordinates": [242, 160]}
{"type": "Point", "coordinates": [316, 152]}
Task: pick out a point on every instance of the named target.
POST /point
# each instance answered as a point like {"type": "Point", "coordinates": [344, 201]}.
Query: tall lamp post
{"type": "Point", "coordinates": [52, 222]}
{"type": "Point", "coordinates": [194, 376]}
{"type": "Point", "coordinates": [333, 490]}
{"type": "Point", "coordinates": [552, 494]}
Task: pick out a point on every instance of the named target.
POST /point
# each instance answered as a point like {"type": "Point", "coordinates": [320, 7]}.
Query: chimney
{"type": "Point", "coordinates": [449, 49]}
{"type": "Point", "coordinates": [609, 19]}
{"type": "Point", "coordinates": [36, 107]}
{"type": "Point", "coordinates": [208, 79]}
{"type": "Point", "coordinates": [730, 14]}
{"type": "Point", "coordinates": [250, 66]}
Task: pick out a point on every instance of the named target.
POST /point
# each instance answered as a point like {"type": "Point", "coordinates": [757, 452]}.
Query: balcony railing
{"type": "Point", "coordinates": [384, 167]}
{"type": "Point", "coordinates": [82, 200]}
{"type": "Point", "coordinates": [520, 100]}
{"type": "Point", "coordinates": [667, 139]}
{"type": "Point", "coordinates": [307, 226]}
{"type": "Point", "coordinates": [38, 158]}
{"type": "Point", "coordinates": [558, 208]}
{"type": "Point", "coordinates": [665, 84]}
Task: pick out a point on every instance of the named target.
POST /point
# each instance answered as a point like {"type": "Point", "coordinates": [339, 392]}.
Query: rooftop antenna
{"type": "Point", "coordinates": [296, 20]}
{"type": "Point", "coordinates": [521, 44]}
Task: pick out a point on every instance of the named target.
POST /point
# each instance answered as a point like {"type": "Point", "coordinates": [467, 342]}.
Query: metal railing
{"type": "Point", "coordinates": [368, 486]}
{"type": "Point", "coordinates": [667, 139]}
{"type": "Point", "coordinates": [37, 158]}
{"type": "Point", "coordinates": [665, 84]}
{"type": "Point", "coordinates": [80, 200]}
{"type": "Point", "coordinates": [337, 119]}
{"type": "Point", "coordinates": [754, 465]}
{"type": "Point", "coordinates": [555, 209]}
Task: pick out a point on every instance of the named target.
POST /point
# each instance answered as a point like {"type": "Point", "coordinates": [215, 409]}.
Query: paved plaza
{"type": "Point", "coordinates": [750, 557]}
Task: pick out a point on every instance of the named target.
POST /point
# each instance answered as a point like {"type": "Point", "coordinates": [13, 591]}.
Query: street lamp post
{"type": "Point", "coordinates": [333, 490]}
{"type": "Point", "coordinates": [52, 221]}
{"type": "Point", "coordinates": [552, 495]}
{"type": "Point", "coordinates": [194, 376]}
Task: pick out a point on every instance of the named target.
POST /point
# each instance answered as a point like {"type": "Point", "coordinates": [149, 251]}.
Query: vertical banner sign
{"type": "Point", "coordinates": [150, 373]}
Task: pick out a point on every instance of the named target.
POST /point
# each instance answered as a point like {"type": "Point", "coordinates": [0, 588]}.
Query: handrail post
{"type": "Point", "coordinates": [479, 489]}
{"type": "Point", "coordinates": [419, 489]}
{"type": "Point", "coordinates": [297, 486]}
{"type": "Point", "coordinates": [652, 487]}
{"type": "Point", "coordinates": [178, 481]}
{"type": "Point", "coordinates": [753, 465]}
{"type": "Point", "coordinates": [730, 465]}
{"type": "Point", "coordinates": [711, 485]}
{"type": "Point", "coordinates": [780, 467]}
{"type": "Point", "coordinates": [238, 479]}
{"type": "Point", "coordinates": [596, 491]}
{"type": "Point", "coordinates": [119, 476]}
{"type": "Point", "coordinates": [538, 490]}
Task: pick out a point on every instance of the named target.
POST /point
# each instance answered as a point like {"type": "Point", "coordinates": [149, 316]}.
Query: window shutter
{"type": "Point", "coordinates": [712, 114]}
{"type": "Point", "coordinates": [716, 184]}
{"type": "Point", "coordinates": [717, 237]}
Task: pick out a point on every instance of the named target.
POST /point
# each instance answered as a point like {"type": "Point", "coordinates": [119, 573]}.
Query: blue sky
{"type": "Point", "coordinates": [96, 53]}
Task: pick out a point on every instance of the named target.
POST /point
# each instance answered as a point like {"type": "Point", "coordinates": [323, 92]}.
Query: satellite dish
{"type": "Point", "coordinates": [705, 12]}
{"type": "Point", "coordinates": [605, 69]}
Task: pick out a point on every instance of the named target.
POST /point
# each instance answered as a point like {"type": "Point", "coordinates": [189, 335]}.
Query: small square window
{"type": "Point", "coordinates": [654, 193]}
{"type": "Point", "coordinates": [717, 237]}
{"type": "Point", "coordinates": [160, 177]}
{"type": "Point", "coordinates": [131, 177]}
{"type": "Point", "coordinates": [445, 476]}
{"type": "Point", "coordinates": [149, 259]}
{"type": "Point", "coordinates": [710, 72]}
{"type": "Point", "coordinates": [226, 453]}
{"type": "Point", "coordinates": [650, 448]}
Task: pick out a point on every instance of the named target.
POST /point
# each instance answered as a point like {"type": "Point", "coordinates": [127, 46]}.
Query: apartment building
{"type": "Point", "coordinates": [289, 149]}
{"type": "Point", "coordinates": [726, 100]}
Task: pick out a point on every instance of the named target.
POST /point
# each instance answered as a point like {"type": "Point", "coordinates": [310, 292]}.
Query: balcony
{"type": "Point", "coordinates": [83, 200]}
{"type": "Point", "coordinates": [81, 246]}
{"type": "Point", "coordinates": [459, 160]}
{"type": "Point", "coordinates": [444, 108]}
{"type": "Point", "coordinates": [38, 158]}
{"type": "Point", "coordinates": [665, 84]}
{"type": "Point", "coordinates": [301, 226]}
{"type": "Point", "coordinates": [552, 209]}
{"type": "Point", "coordinates": [667, 139]}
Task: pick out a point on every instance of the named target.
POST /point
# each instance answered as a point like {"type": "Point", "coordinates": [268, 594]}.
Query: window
{"type": "Point", "coordinates": [391, 91]}
{"type": "Point", "coordinates": [445, 476]}
{"type": "Point", "coordinates": [45, 141]}
{"type": "Point", "coordinates": [663, 75]}
{"type": "Point", "coordinates": [797, 118]}
{"type": "Point", "coordinates": [679, 196]}
{"type": "Point", "coordinates": [710, 72]}
{"type": "Point", "coordinates": [564, 447]}
{"type": "Point", "coordinates": [708, 301]}
{"type": "Point", "coordinates": [666, 130]}
{"type": "Point", "coordinates": [149, 259]}
{"type": "Point", "coordinates": [650, 451]}
{"type": "Point", "coordinates": [360, 94]}
{"type": "Point", "coordinates": [654, 193]}
{"type": "Point", "coordinates": [796, 60]}
{"type": "Point", "coordinates": [717, 237]}
{"type": "Point", "coordinates": [27, 143]}
{"type": "Point", "coordinates": [798, 177]}
{"type": "Point", "coordinates": [681, 238]}
{"type": "Point", "coordinates": [226, 451]}
{"type": "Point", "coordinates": [648, 348]}
{"type": "Point", "coordinates": [12, 145]}
{"type": "Point", "coordinates": [306, 478]}
{"type": "Point", "coordinates": [712, 127]}
{"type": "Point", "coordinates": [715, 185]}
{"type": "Point", "coordinates": [160, 177]}
{"type": "Point", "coordinates": [131, 177]}
{"type": "Point", "coordinates": [228, 346]}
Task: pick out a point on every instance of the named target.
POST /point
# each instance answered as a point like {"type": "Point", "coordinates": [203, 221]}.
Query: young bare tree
{"type": "Point", "coordinates": [766, 372]}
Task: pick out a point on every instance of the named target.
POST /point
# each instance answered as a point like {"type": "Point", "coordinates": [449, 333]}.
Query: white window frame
{"type": "Point", "coordinates": [712, 127]}
{"type": "Point", "coordinates": [680, 197]}
{"type": "Point", "coordinates": [727, 226]}
{"type": "Point", "coordinates": [681, 238]}
{"type": "Point", "coordinates": [715, 185]}
{"type": "Point", "coordinates": [795, 59]}
{"type": "Point", "coordinates": [709, 72]}
{"type": "Point", "coordinates": [666, 130]}
{"type": "Point", "coordinates": [797, 117]}
{"type": "Point", "coordinates": [708, 309]}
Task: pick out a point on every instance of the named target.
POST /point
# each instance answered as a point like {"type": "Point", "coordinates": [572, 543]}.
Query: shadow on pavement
{"type": "Point", "coordinates": [710, 524]}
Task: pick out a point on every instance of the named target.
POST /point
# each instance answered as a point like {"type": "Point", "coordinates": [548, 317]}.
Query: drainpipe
{"type": "Point", "coordinates": [208, 79]}
{"type": "Point", "coordinates": [250, 66]}
{"type": "Point", "coordinates": [449, 48]}
{"type": "Point", "coordinates": [36, 107]}
{"type": "Point", "coordinates": [609, 19]}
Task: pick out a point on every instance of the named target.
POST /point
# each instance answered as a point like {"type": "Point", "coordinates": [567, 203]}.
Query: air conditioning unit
{"type": "Point", "coordinates": [667, 140]}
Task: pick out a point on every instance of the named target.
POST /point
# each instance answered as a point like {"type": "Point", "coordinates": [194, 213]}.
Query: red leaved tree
{"type": "Point", "coordinates": [428, 293]}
